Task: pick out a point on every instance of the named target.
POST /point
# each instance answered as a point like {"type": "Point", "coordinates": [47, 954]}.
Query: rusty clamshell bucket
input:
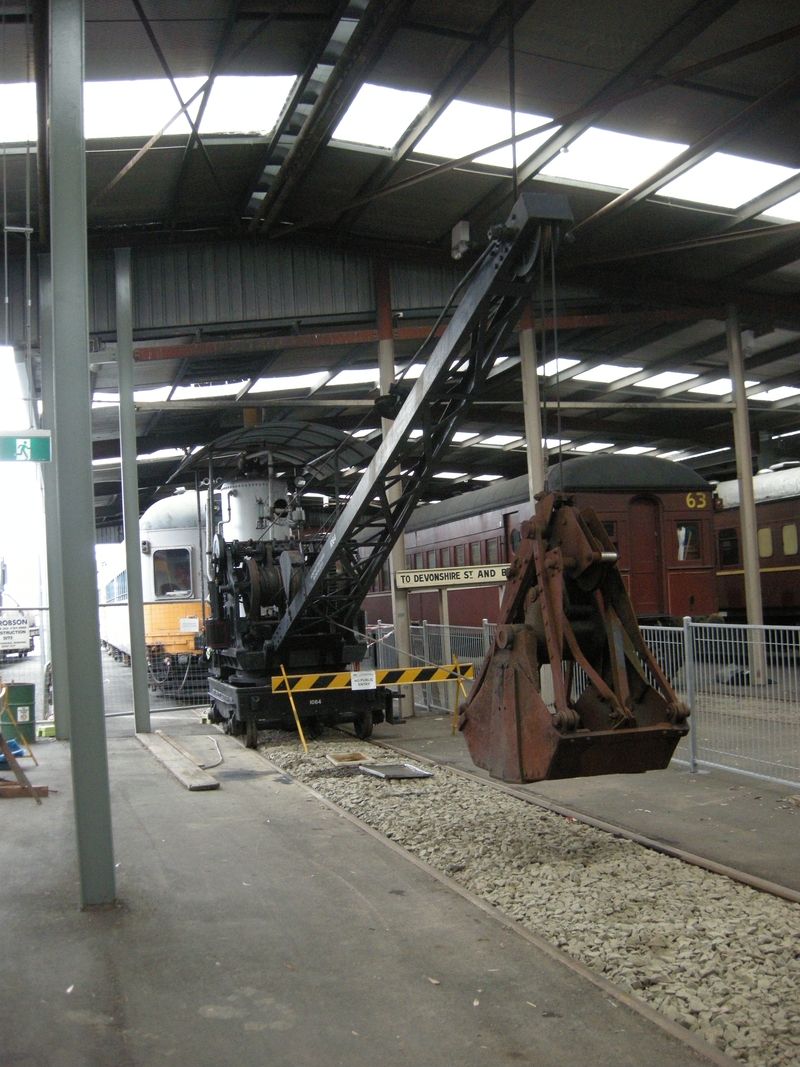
{"type": "Point", "coordinates": [565, 604]}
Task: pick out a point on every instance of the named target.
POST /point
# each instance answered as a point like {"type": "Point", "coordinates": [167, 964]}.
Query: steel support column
{"type": "Point", "coordinates": [532, 408]}
{"type": "Point", "coordinates": [90, 784]}
{"type": "Point", "coordinates": [130, 490]}
{"type": "Point", "coordinates": [397, 559]}
{"type": "Point", "coordinates": [744, 471]}
{"type": "Point", "coordinates": [57, 621]}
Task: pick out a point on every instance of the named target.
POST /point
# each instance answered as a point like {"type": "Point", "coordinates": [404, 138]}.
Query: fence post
{"type": "Point", "coordinates": [688, 661]}
{"type": "Point", "coordinates": [426, 655]}
{"type": "Point", "coordinates": [487, 637]}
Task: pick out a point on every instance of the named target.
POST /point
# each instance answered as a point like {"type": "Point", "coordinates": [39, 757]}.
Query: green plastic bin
{"type": "Point", "coordinates": [22, 704]}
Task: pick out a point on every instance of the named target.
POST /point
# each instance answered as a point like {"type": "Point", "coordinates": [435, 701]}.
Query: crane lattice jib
{"type": "Point", "coordinates": [440, 400]}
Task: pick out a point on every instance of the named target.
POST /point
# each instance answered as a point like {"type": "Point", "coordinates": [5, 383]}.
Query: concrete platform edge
{"type": "Point", "coordinates": [675, 1030]}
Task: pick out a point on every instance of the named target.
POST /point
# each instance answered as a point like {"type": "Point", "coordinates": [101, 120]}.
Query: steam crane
{"type": "Point", "coordinates": [283, 607]}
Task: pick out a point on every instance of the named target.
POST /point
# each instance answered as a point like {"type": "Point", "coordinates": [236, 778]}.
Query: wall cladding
{"type": "Point", "coordinates": [193, 286]}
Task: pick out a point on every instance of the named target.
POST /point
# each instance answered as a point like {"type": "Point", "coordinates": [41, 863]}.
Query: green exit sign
{"type": "Point", "coordinates": [32, 446]}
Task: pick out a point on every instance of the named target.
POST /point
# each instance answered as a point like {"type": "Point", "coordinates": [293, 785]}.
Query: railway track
{"type": "Point", "coordinates": [761, 884]}
{"type": "Point", "coordinates": [714, 950]}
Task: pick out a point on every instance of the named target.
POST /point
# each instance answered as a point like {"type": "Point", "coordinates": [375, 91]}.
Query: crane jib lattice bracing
{"type": "Point", "coordinates": [441, 398]}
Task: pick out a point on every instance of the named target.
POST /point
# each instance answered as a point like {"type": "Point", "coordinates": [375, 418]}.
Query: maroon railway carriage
{"type": "Point", "coordinates": [658, 513]}
{"type": "Point", "coordinates": [777, 494]}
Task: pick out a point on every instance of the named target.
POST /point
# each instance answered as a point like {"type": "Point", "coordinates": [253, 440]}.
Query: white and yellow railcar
{"type": "Point", "coordinates": [173, 586]}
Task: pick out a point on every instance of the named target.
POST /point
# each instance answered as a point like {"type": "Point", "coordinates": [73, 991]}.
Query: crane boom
{"type": "Point", "coordinates": [441, 398]}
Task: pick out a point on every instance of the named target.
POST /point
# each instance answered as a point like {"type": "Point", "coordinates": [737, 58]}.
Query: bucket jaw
{"type": "Point", "coordinates": [565, 605]}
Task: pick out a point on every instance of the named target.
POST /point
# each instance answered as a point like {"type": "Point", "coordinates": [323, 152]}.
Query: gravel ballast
{"type": "Point", "coordinates": [716, 956]}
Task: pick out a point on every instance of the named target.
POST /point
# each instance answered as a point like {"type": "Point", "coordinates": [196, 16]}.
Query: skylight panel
{"type": "Point", "coordinates": [605, 373]}
{"type": "Point", "coordinates": [499, 440]}
{"type": "Point", "coordinates": [379, 116]}
{"type": "Point", "coordinates": [161, 453]}
{"type": "Point", "coordinates": [554, 442]}
{"type": "Point", "coordinates": [112, 461]}
{"type": "Point", "coordinates": [726, 181]}
{"type": "Point", "coordinates": [487, 477]}
{"type": "Point", "coordinates": [367, 376]}
{"type": "Point", "coordinates": [463, 435]}
{"type": "Point", "coordinates": [451, 475]}
{"type": "Point", "coordinates": [618, 160]}
{"type": "Point", "coordinates": [413, 371]}
{"type": "Point", "coordinates": [416, 434]}
{"type": "Point", "coordinates": [136, 108]}
{"type": "Point", "coordinates": [721, 387]}
{"type": "Point", "coordinates": [593, 446]}
{"type": "Point", "coordinates": [152, 396]}
{"type": "Point", "coordinates": [287, 383]}
{"type": "Point", "coordinates": [463, 128]}
{"type": "Point", "coordinates": [781, 392]}
{"type": "Point", "coordinates": [711, 452]}
{"type": "Point", "coordinates": [555, 366]}
{"type": "Point", "coordinates": [200, 392]}
{"type": "Point", "coordinates": [665, 379]}
{"type": "Point", "coordinates": [18, 112]}
{"type": "Point", "coordinates": [635, 450]}
{"type": "Point", "coordinates": [105, 398]}
{"type": "Point", "coordinates": [789, 210]}
{"type": "Point", "coordinates": [366, 433]}
{"type": "Point", "coordinates": [246, 104]}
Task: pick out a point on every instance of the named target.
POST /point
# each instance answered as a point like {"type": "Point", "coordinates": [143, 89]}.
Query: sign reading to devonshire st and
{"type": "Point", "coordinates": [25, 446]}
{"type": "Point", "coordinates": [488, 574]}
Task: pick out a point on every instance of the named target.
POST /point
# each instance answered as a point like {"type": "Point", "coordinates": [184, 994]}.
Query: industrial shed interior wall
{"type": "Point", "coordinates": [239, 282]}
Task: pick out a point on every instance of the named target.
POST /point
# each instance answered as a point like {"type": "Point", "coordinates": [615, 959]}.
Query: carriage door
{"type": "Point", "coordinates": [645, 557]}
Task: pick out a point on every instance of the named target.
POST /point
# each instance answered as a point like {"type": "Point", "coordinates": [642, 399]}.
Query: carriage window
{"type": "Point", "coordinates": [789, 540]}
{"type": "Point", "coordinates": [409, 563]}
{"type": "Point", "coordinates": [475, 553]}
{"type": "Point", "coordinates": [492, 554]}
{"type": "Point", "coordinates": [432, 559]}
{"type": "Point", "coordinates": [765, 542]}
{"type": "Point", "coordinates": [172, 573]}
{"type": "Point", "coordinates": [419, 561]}
{"type": "Point", "coordinates": [688, 541]}
{"type": "Point", "coordinates": [610, 528]}
{"type": "Point", "coordinates": [445, 557]}
{"type": "Point", "coordinates": [516, 537]}
{"type": "Point", "coordinates": [461, 555]}
{"type": "Point", "coordinates": [728, 541]}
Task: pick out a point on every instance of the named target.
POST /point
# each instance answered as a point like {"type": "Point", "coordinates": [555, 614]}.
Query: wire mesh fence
{"type": "Point", "coordinates": [742, 684]}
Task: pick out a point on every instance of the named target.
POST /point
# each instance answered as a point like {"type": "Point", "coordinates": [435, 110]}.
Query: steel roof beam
{"type": "Point", "coordinates": [763, 109]}
{"type": "Point", "coordinates": [184, 107]}
{"type": "Point", "coordinates": [227, 29]}
{"type": "Point", "coordinates": [464, 70]}
{"type": "Point", "coordinates": [645, 66]}
{"type": "Point", "coordinates": [370, 38]}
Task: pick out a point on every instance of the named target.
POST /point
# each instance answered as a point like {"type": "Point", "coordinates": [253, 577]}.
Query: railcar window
{"type": "Point", "coordinates": [432, 559]}
{"type": "Point", "coordinates": [446, 557]}
{"type": "Point", "coordinates": [728, 541]}
{"type": "Point", "coordinates": [789, 534]}
{"type": "Point", "coordinates": [765, 542]}
{"type": "Point", "coordinates": [475, 553]}
{"type": "Point", "coordinates": [461, 555]}
{"type": "Point", "coordinates": [492, 552]}
{"type": "Point", "coordinates": [419, 561]}
{"type": "Point", "coordinates": [409, 563]}
{"type": "Point", "coordinates": [688, 541]}
{"type": "Point", "coordinates": [172, 572]}
{"type": "Point", "coordinates": [610, 528]}
{"type": "Point", "coordinates": [516, 537]}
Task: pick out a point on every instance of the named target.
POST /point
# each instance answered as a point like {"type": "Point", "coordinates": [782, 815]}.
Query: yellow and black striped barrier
{"type": "Point", "coordinates": [299, 683]}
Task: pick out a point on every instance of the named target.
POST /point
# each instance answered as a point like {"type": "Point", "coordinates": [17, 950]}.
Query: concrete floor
{"type": "Point", "coordinates": [746, 823]}
{"type": "Point", "coordinates": [257, 926]}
